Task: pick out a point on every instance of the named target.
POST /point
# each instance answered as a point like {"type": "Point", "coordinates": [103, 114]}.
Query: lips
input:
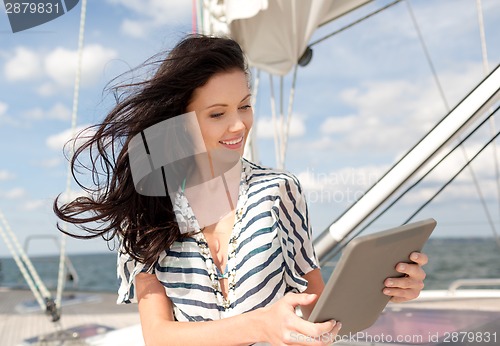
{"type": "Point", "coordinates": [233, 143]}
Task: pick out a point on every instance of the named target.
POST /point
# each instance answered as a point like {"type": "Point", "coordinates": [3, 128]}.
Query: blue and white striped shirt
{"type": "Point", "coordinates": [269, 252]}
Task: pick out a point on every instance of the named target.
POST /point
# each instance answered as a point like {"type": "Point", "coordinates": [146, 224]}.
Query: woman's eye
{"type": "Point", "coordinates": [216, 115]}
{"type": "Point", "coordinates": [245, 107]}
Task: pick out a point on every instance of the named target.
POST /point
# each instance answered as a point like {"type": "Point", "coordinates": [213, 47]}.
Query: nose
{"type": "Point", "coordinates": [237, 124]}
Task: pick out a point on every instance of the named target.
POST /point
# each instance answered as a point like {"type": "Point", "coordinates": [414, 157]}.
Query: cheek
{"type": "Point", "coordinates": [212, 132]}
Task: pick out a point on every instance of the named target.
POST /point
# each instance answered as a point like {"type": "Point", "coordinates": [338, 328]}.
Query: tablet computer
{"type": "Point", "coordinates": [353, 294]}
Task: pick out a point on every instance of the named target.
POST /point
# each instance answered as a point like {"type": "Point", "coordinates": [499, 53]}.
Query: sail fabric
{"type": "Point", "coordinates": [274, 33]}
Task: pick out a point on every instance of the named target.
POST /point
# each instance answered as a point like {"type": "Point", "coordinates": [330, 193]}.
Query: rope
{"type": "Point", "coordinates": [23, 270]}
{"type": "Point", "coordinates": [486, 69]}
{"type": "Point", "coordinates": [281, 127]}
{"type": "Point", "coordinates": [62, 258]}
{"type": "Point", "coordinates": [193, 16]}
{"type": "Point", "coordinates": [289, 112]}
{"type": "Point", "coordinates": [275, 125]}
{"type": "Point", "coordinates": [484, 49]}
{"type": "Point", "coordinates": [252, 135]}
{"type": "Point", "coordinates": [27, 262]}
{"type": "Point", "coordinates": [199, 17]}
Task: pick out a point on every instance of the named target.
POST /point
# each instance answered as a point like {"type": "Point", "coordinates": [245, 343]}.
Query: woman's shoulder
{"type": "Point", "coordinates": [259, 174]}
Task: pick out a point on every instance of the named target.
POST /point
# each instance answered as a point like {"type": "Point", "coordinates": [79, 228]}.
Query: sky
{"type": "Point", "coordinates": [366, 98]}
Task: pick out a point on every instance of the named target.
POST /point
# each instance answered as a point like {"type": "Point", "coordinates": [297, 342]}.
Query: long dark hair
{"type": "Point", "coordinates": [145, 224]}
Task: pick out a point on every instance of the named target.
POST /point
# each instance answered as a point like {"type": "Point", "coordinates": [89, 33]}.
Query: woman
{"type": "Point", "coordinates": [238, 274]}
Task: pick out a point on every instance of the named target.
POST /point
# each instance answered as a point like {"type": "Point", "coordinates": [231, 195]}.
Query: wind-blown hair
{"type": "Point", "coordinates": [146, 225]}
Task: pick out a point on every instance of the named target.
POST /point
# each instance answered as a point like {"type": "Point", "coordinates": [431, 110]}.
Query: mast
{"type": "Point", "coordinates": [457, 120]}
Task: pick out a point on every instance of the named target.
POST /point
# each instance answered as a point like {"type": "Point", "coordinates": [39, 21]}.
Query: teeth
{"type": "Point", "coordinates": [233, 142]}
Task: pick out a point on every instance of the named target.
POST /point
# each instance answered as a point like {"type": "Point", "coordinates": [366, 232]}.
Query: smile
{"type": "Point", "coordinates": [235, 141]}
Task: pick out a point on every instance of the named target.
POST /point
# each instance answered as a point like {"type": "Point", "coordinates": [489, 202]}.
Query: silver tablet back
{"type": "Point", "coordinates": [353, 294]}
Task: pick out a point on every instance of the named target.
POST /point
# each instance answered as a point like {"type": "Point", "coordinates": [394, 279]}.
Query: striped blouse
{"type": "Point", "coordinates": [270, 249]}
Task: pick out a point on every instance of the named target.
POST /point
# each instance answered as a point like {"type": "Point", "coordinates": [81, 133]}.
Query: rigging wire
{"type": "Point", "coordinates": [62, 258]}
{"type": "Point", "coordinates": [443, 97]}
{"type": "Point", "coordinates": [353, 23]}
{"type": "Point", "coordinates": [427, 56]}
{"type": "Point", "coordinates": [334, 253]}
{"type": "Point", "coordinates": [453, 178]}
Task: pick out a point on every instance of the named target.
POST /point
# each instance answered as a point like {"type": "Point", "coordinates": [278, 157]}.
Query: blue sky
{"type": "Point", "coordinates": [366, 97]}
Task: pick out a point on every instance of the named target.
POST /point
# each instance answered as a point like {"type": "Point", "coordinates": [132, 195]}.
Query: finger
{"type": "Point", "coordinates": [314, 330]}
{"type": "Point", "coordinates": [295, 299]}
{"type": "Point", "coordinates": [405, 283]}
{"type": "Point", "coordinates": [412, 270]}
{"type": "Point", "coordinates": [330, 337]}
{"type": "Point", "coordinates": [318, 333]}
{"type": "Point", "coordinates": [420, 258]}
{"type": "Point", "coordinates": [399, 295]}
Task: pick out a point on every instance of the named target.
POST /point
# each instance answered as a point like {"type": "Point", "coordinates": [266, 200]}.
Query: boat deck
{"type": "Point", "coordinates": [433, 314]}
{"type": "Point", "coordinates": [18, 327]}
{"type": "Point", "coordinates": [469, 318]}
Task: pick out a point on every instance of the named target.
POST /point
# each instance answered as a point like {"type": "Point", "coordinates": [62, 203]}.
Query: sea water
{"type": "Point", "coordinates": [450, 259]}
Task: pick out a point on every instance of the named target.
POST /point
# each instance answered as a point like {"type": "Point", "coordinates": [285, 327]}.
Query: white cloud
{"type": "Point", "coordinates": [58, 141]}
{"type": "Point", "coordinates": [265, 127]}
{"type": "Point", "coordinates": [47, 89]}
{"type": "Point", "coordinates": [58, 112]}
{"type": "Point", "coordinates": [6, 175]}
{"type": "Point", "coordinates": [320, 144]}
{"type": "Point", "coordinates": [25, 64]}
{"type": "Point", "coordinates": [483, 166]}
{"type": "Point", "coordinates": [339, 124]}
{"type": "Point", "coordinates": [153, 14]}
{"type": "Point", "coordinates": [386, 112]}
{"type": "Point", "coordinates": [60, 65]}
{"type": "Point", "coordinates": [14, 193]}
{"type": "Point", "coordinates": [3, 109]}
{"type": "Point", "coordinates": [135, 28]}
{"type": "Point", "coordinates": [50, 163]}
{"type": "Point", "coordinates": [35, 205]}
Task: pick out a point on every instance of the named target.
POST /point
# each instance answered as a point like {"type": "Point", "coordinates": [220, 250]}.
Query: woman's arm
{"type": "Point", "coordinates": [315, 285]}
{"type": "Point", "coordinates": [277, 324]}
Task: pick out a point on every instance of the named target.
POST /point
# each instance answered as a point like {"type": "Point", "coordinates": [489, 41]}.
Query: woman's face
{"type": "Point", "coordinates": [224, 111]}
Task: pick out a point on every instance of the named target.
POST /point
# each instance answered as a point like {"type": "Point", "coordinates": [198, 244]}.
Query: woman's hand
{"type": "Point", "coordinates": [281, 326]}
{"type": "Point", "coordinates": [408, 287]}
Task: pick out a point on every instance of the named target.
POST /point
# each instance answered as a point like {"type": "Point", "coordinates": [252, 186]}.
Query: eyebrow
{"type": "Point", "coordinates": [225, 105]}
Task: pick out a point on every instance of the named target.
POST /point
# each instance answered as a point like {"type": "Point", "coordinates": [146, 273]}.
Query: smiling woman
{"type": "Point", "coordinates": [231, 246]}
{"type": "Point", "coordinates": [227, 121]}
